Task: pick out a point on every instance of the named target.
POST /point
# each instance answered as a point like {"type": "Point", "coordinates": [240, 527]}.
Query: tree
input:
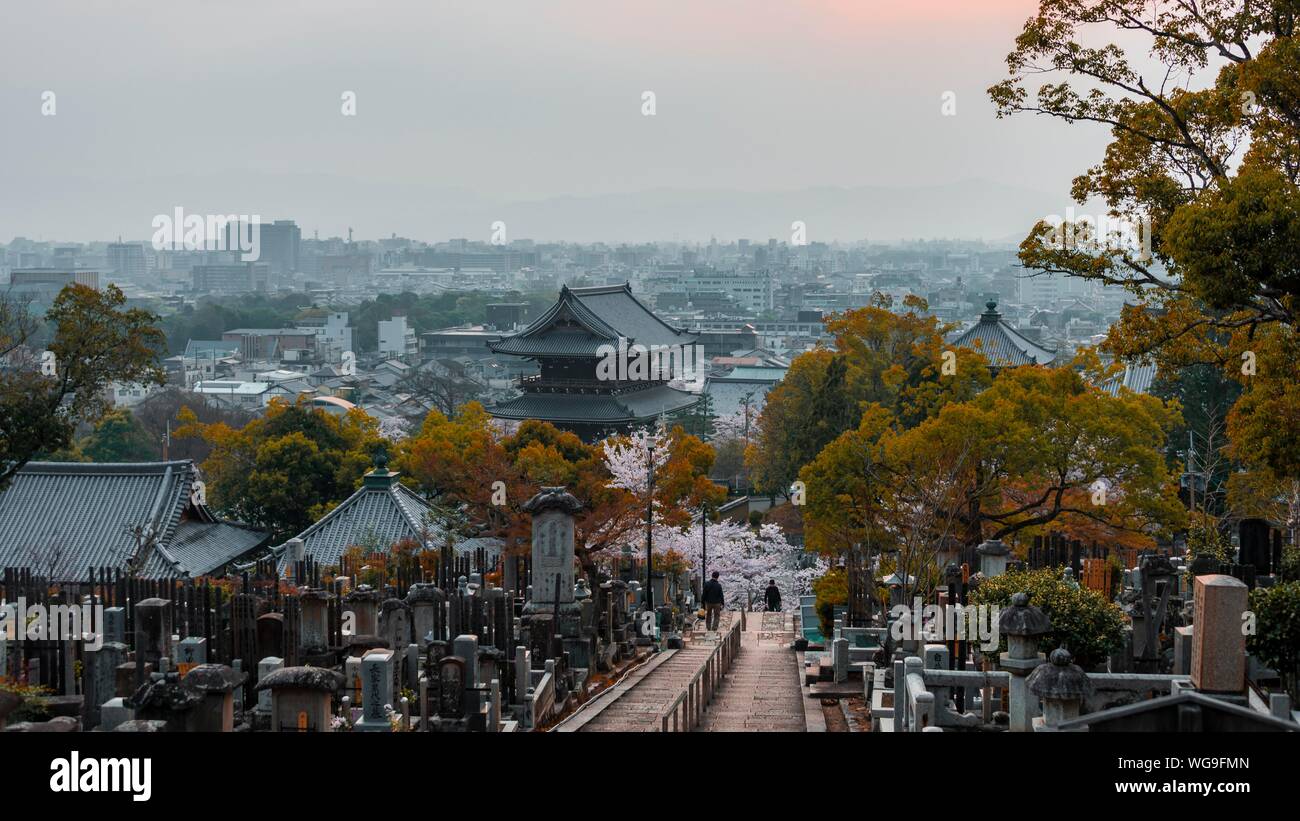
{"type": "Point", "coordinates": [445, 390]}
{"type": "Point", "coordinates": [745, 559]}
{"type": "Point", "coordinates": [893, 360]}
{"type": "Point", "coordinates": [286, 469]}
{"type": "Point", "coordinates": [1026, 453]}
{"type": "Point", "coordinates": [1206, 150]}
{"type": "Point", "coordinates": [95, 341]}
{"type": "Point", "coordinates": [119, 437]}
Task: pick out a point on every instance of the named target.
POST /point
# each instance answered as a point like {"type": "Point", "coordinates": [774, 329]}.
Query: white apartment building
{"type": "Point", "coordinates": [397, 339]}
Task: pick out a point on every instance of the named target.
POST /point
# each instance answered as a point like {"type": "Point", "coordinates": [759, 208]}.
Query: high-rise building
{"type": "Point", "coordinates": [280, 241]}
{"type": "Point", "coordinates": [126, 259]}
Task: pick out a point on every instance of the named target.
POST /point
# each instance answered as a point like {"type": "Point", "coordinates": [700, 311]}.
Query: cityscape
{"type": "Point", "coordinates": [500, 439]}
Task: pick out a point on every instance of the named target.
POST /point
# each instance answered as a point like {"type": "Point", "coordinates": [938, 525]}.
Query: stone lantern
{"type": "Point", "coordinates": [1061, 685]}
{"type": "Point", "coordinates": [993, 557]}
{"type": "Point", "coordinates": [1022, 624]}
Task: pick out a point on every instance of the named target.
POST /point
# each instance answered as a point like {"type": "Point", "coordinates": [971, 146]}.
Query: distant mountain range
{"type": "Point", "coordinates": [70, 209]}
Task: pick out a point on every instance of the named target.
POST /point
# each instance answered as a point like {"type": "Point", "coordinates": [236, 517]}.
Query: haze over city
{"type": "Point", "coordinates": [530, 113]}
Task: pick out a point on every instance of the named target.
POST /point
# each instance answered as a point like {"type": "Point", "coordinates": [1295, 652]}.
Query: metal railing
{"type": "Point", "coordinates": [687, 710]}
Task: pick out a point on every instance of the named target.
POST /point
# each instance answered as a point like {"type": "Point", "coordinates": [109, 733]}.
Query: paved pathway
{"type": "Point", "coordinates": [761, 693]}
{"type": "Point", "coordinates": [638, 708]}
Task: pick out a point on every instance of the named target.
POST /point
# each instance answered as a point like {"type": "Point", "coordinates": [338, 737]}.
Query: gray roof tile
{"type": "Point", "coordinates": [83, 511]}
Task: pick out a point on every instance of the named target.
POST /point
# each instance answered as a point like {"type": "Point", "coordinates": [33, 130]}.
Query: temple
{"type": "Point", "coordinates": [1002, 345]}
{"type": "Point", "coordinates": [595, 375]}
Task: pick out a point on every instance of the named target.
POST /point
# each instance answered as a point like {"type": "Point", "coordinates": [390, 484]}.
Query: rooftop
{"type": "Point", "coordinates": [1002, 345]}
{"type": "Point", "coordinates": [65, 517]}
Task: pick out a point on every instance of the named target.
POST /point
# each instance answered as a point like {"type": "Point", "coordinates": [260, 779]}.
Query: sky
{"type": "Point", "coordinates": [468, 108]}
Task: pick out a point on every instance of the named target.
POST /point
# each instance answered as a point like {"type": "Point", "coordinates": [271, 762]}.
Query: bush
{"type": "Point", "coordinates": [1083, 621]}
{"type": "Point", "coordinates": [831, 589]}
{"type": "Point", "coordinates": [1290, 569]}
{"type": "Point", "coordinates": [1277, 631]}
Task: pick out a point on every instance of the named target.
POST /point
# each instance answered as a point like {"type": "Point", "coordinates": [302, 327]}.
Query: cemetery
{"type": "Point", "coordinates": [466, 638]}
{"type": "Point", "coordinates": [1181, 666]}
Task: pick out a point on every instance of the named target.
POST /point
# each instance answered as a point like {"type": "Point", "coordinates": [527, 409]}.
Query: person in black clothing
{"type": "Point", "coordinates": [711, 597]}
{"type": "Point", "coordinates": [772, 596]}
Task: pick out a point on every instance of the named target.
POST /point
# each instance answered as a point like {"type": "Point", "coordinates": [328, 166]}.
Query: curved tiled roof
{"type": "Point", "coordinates": [607, 408]}
{"type": "Point", "coordinates": [382, 512]}
{"type": "Point", "coordinates": [1001, 344]}
{"type": "Point", "coordinates": [83, 511]}
{"type": "Point", "coordinates": [599, 316]}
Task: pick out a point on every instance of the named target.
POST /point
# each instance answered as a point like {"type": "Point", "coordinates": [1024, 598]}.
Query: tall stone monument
{"type": "Point", "coordinates": [552, 510]}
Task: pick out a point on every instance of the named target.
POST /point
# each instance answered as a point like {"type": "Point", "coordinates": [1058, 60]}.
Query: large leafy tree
{"type": "Point", "coordinates": [119, 437]}
{"type": "Point", "coordinates": [894, 360]}
{"type": "Point", "coordinates": [95, 341]}
{"type": "Point", "coordinates": [286, 469]}
{"type": "Point", "coordinates": [1203, 109]}
{"type": "Point", "coordinates": [1028, 452]}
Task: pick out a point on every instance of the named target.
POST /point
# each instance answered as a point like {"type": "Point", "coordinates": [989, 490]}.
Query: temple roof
{"type": "Point", "coordinates": [597, 409]}
{"type": "Point", "coordinates": [65, 517]}
{"type": "Point", "coordinates": [1002, 345]}
{"type": "Point", "coordinates": [583, 319]}
{"type": "Point", "coordinates": [381, 513]}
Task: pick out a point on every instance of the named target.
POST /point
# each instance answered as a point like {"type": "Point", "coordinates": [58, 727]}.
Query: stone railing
{"type": "Point", "coordinates": [688, 708]}
{"type": "Point", "coordinates": [922, 694]}
{"type": "Point", "coordinates": [541, 701]}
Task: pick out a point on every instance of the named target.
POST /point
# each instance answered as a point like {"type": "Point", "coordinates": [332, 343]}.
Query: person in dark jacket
{"type": "Point", "coordinates": [712, 599]}
{"type": "Point", "coordinates": [772, 596]}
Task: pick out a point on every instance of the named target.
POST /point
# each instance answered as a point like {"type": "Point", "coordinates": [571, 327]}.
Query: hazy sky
{"type": "Point", "coordinates": [234, 107]}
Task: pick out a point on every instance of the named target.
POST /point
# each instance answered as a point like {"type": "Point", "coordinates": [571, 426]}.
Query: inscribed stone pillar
{"type": "Point", "coordinates": [1218, 643]}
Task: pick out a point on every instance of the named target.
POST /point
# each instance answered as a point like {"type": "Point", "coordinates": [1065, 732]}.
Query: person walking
{"type": "Point", "coordinates": [712, 599]}
{"type": "Point", "coordinates": [772, 596]}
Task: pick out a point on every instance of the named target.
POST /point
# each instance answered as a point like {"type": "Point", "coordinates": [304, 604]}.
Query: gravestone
{"type": "Point", "coordinates": [153, 631]}
{"type": "Point", "coordinates": [451, 687]}
{"type": "Point", "coordinates": [313, 633]}
{"type": "Point", "coordinates": [552, 551]}
{"type": "Point", "coordinates": [115, 624]}
{"type": "Point", "coordinates": [395, 623]}
{"type": "Point", "coordinates": [1218, 643]}
{"type": "Point", "coordinates": [466, 647]}
{"type": "Point", "coordinates": [376, 691]}
{"type": "Point", "coordinates": [266, 667]}
{"type": "Point", "coordinates": [428, 617]}
{"type": "Point", "coordinates": [99, 678]}
{"type": "Point", "coordinates": [192, 652]}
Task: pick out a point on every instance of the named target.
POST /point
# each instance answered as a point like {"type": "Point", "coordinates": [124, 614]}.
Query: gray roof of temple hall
{"type": "Point", "coordinates": [1002, 345]}
{"type": "Point", "coordinates": [583, 319]}
{"type": "Point", "coordinates": [69, 516]}
{"type": "Point", "coordinates": [382, 512]}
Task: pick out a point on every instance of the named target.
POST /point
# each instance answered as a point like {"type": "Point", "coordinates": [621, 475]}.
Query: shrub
{"type": "Point", "coordinates": [1276, 641]}
{"type": "Point", "coordinates": [1083, 621]}
{"type": "Point", "coordinates": [831, 589]}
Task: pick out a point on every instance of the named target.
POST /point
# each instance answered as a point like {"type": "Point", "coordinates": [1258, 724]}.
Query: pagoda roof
{"type": "Point", "coordinates": [609, 408]}
{"type": "Point", "coordinates": [1002, 345]}
{"type": "Point", "coordinates": [584, 319]}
